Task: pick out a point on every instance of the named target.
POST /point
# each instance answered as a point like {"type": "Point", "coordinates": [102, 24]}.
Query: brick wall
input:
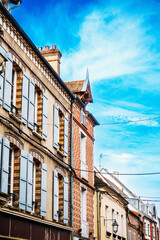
{"type": "Point", "coordinates": [78, 183]}
{"type": "Point", "coordinates": [135, 226]}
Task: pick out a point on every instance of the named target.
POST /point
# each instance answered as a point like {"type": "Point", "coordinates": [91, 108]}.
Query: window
{"type": "Point", "coordinates": [36, 185]}
{"type": "Point", "coordinates": [134, 236]}
{"type": "Point", "coordinates": [16, 93]}
{"type": "Point", "coordinates": [38, 110]}
{"type": "Point", "coordinates": [145, 228]}
{"type": "Point", "coordinates": [60, 197]}
{"type": "Point", "coordinates": [122, 225]}
{"type": "Point", "coordinates": [153, 230]}
{"type": "Point", "coordinates": [83, 118]}
{"type": "Point", "coordinates": [83, 204]}
{"type": "Point", "coordinates": [148, 230]}
{"type": "Point", "coordinates": [129, 235]}
{"type": "Point", "coordinates": [60, 130]}
{"type": "Point", "coordinates": [106, 222]}
{"type": "Point", "coordinates": [84, 167]}
{"type": "Point", "coordinates": [11, 173]}
{"type": "Point", "coordinates": [84, 223]}
{"type": "Point", "coordinates": [33, 184]}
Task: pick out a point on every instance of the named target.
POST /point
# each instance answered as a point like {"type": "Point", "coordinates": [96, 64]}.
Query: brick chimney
{"type": "Point", "coordinates": [53, 56]}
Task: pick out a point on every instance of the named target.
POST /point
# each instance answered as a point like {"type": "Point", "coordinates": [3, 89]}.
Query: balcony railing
{"type": "Point", "coordinates": [84, 172]}
{"type": "Point", "coordinates": [85, 229]}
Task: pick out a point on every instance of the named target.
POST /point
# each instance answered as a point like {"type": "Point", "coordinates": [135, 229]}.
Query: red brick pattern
{"type": "Point", "coordinates": [38, 188]}
{"type": "Point", "coordinates": [88, 131]}
{"type": "Point", "coordinates": [39, 110]}
{"type": "Point", "coordinates": [16, 177]}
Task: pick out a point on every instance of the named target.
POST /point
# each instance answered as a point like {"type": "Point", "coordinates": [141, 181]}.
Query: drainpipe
{"type": "Point", "coordinates": [127, 221]}
{"type": "Point", "coordinates": [71, 148]}
{"type": "Point", "coordinates": [97, 215]}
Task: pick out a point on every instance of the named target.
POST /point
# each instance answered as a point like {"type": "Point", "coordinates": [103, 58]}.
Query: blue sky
{"type": "Point", "coordinates": [118, 41]}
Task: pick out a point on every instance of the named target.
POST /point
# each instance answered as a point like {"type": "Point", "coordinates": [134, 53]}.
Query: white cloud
{"type": "Point", "coordinates": [111, 45]}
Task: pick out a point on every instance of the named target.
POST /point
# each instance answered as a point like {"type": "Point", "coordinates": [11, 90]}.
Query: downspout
{"type": "Point", "coordinates": [71, 148]}
{"type": "Point", "coordinates": [97, 215]}
{"type": "Point", "coordinates": [127, 221]}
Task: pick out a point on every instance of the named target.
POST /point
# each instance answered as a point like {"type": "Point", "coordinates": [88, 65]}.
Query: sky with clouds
{"type": "Point", "coordinates": [118, 41]}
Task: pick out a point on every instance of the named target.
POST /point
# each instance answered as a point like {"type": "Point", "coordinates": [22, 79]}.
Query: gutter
{"type": "Point", "coordinates": [28, 40]}
{"type": "Point", "coordinates": [97, 215]}
{"type": "Point", "coordinates": [71, 149]}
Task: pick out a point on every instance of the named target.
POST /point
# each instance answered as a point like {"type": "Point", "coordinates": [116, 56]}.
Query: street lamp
{"type": "Point", "coordinates": [115, 226]}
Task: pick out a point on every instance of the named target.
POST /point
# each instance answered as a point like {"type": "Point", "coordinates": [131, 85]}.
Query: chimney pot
{"type": "Point", "coordinates": [53, 46]}
{"type": "Point", "coordinates": [47, 48]}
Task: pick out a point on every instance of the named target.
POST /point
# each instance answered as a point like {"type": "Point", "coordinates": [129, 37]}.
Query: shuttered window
{"type": "Point", "coordinates": [31, 104]}
{"type": "Point", "coordinates": [23, 179]}
{"type": "Point", "coordinates": [2, 68]}
{"type": "Point", "coordinates": [43, 189]}
{"type": "Point", "coordinates": [44, 116]}
{"type": "Point", "coordinates": [65, 200]}
{"type": "Point", "coordinates": [26, 181]}
{"type": "Point", "coordinates": [1, 87]}
{"type": "Point", "coordinates": [5, 165]}
{"type": "Point", "coordinates": [25, 98]}
{"type": "Point", "coordinates": [65, 135]}
{"type": "Point", "coordinates": [7, 84]}
{"type": "Point", "coordinates": [60, 197]}
{"type": "Point", "coordinates": [29, 183]}
{"type": "Point", "coordinates": [56, 127]}
{"type": "Point", "coordinates": [129, 235]}
{"type": "Point", "coordinates": [55, 195]}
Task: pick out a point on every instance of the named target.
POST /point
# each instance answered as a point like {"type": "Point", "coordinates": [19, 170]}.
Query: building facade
{"type": "Point", "coordinates": [110, 207]}
{"type": "Point", "coordinates": [135, 225]}
{"type": "Point", "coordinates": [35, 112]}
{"type": "Point", "coordinates": [83, 179]}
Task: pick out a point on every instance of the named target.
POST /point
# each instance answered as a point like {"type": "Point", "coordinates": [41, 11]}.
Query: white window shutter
{"type": "Point", "coordinates": [31, 104]}
{"type": "Point", "coordinates": [4, 54]}
{"type": "Point", "coordinates": [5, 165]}
{"type": "Point", "coordinates": [44, 116]}
{"type": "Point", "coordinates": [29, 204]}
{"type": "Point", "coordinates": [56, 126]}
{"type": "Point", "coordinates": [25, 97]}
{"type": "Point", "coordinates": [43, 189]}
{"type": "Point", "coordinates": [66, 135]}
{"type": "Point", "coordinates": [55, 195]}
{"type": "Point", "coordinates": [23, 179]}
{"type": "Point", "coordinates": [7, 84]}
{"type": "Point", "coordinates": [65, 200]}
{"type": "Point", "coordinates": [1, 87]}
{"type": "Point", "coordinates": [0, 150]}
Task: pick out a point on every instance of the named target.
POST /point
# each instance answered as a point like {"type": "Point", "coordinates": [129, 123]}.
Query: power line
{"type": "Point", "coordinates": [121, 122]}
{"type": "Point", "coordinates": [123, 174]}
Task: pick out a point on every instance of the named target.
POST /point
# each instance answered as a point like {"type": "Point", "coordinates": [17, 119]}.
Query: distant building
{"type": "Point", "coordinates": [110, 206]}
{"type": "Point", "coordinates": [134, 215]}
